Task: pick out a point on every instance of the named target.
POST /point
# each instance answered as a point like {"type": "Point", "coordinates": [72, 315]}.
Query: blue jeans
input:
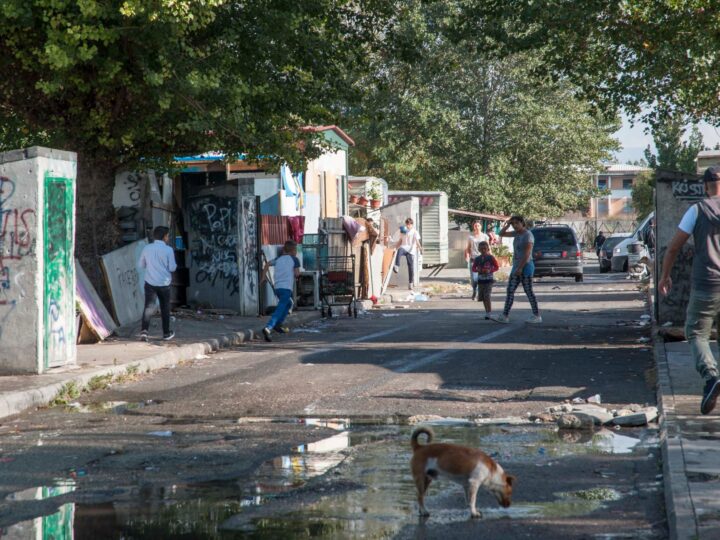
{"type": "Point", "coordinates": [703, 309]}
{"type": "Point", "coordinates": [285, 302]}
{"type": "Point", "coordinates": [402, 252]}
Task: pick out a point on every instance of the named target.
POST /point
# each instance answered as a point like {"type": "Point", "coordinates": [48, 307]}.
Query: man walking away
{"type": "Point", "coordinates": [702, 221]}
{"type": "Point", "coordinates": [406, 246]}
{"type": "Point", "coordinates": [158, 261]}
{"type": "Point", "coordinates": [599, 241]}
{"type": "Point", "coordinates": [522, 271]}
{"type": "Point", "coordinates": [287, 269]}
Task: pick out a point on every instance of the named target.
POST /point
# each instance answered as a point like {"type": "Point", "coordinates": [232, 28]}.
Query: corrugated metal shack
{"type": "Point", "coordinates": [433, 224]}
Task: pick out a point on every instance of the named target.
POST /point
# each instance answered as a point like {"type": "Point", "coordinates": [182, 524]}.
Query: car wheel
{"type": "Point", "coordinates": [578, 278]}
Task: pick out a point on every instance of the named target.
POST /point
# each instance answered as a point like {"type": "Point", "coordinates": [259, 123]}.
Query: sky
{"type": "Point", "coordinates": [634, 140]}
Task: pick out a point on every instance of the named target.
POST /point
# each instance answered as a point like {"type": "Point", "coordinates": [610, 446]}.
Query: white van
{"type": "Point", "coordinates": [619, 261]}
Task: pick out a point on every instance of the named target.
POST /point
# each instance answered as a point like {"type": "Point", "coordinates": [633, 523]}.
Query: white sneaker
{"type": "Point", "coordinates": [396, 268]}
{"type": "Point", "coordinates": [500, 318]}
{"type": "Point", "coordinates": [535, 319]}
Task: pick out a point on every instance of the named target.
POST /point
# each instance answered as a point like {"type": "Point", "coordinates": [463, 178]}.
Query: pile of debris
{"type": "Point", "coordinates": [588, 413]}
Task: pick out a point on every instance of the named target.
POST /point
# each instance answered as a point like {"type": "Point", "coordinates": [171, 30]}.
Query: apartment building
{"type": "Point", "coordinates": [618, 179]}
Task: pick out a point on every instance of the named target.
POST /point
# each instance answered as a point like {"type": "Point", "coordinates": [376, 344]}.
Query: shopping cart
{"type": "Point", "coordinates": [337, 284]}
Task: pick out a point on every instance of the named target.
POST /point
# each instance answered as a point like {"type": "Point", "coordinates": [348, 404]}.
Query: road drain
{"type": "Point", "coordinates": [354, 483]}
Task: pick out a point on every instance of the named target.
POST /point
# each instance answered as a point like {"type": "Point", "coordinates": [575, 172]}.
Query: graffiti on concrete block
{"type": "Point", "coordinates": [17, 242]}
{"type": "Point", "coordinates": [213, 249]}
{"type": "Point", "coordinates": [688, 190]}
{"type": "Point", "coordinates": [248, 233]}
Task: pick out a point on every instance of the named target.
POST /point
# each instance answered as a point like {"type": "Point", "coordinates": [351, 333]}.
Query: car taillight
{"type": "Point", "coordinates": [578, 253]}
{"type": "Point", "coordinates": [564, 254]}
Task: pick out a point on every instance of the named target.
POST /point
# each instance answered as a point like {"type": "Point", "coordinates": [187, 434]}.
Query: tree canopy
{"type": "Point", "coordinates": [440, 113]}
{"type": "Point", "coordinates": [122, 80]}
{"type": "Point", "coordinates": [647, 56]}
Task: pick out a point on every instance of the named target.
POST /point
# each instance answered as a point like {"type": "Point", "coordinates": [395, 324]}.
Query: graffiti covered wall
{"type": "Point", "coordinates": [249, 269]}
{"type": "Point", "coordinates": [212, 225]}
{"type": "Point", "coordinates": [674, 194]}
{"type": "Point", "coordinates": [37, 281]}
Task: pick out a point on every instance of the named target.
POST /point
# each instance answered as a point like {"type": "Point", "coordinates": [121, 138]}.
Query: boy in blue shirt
{"type": "Point", "coordinates": [287, 269]}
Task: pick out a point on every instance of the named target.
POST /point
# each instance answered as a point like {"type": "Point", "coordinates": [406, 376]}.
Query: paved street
{"type": "Point", "coordinates": [309, 436]}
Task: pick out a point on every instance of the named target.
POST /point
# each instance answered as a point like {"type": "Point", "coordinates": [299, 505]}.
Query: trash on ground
{"type": "Point", "coordinates": [595, 399]}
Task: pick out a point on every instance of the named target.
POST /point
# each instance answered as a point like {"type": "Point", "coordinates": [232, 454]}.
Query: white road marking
{"type": "Point", "coordinates": [414, 364]}
{"type": "Point", "coordinates": [446, 352]}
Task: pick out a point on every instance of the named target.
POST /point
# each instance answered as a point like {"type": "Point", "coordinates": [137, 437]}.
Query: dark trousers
{"type": "Point", "coordinates": [410, 262]}
{"type": "Point", "coordinates": [163, 295]}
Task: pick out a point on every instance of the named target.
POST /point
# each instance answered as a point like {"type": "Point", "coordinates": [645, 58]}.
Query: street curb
{"type": "Point", "coordinates": [679, 508]}
{"type": "Point", "coordinates": [678, 503]}
{"type": "Point", "coordinates": [18, 401]}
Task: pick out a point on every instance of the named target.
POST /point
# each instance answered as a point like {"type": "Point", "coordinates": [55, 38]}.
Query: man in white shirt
{"type": "Point", "coordinates": [158, 261]}
{"type": "Point", "coordinates": [287, 270]}
{"type": "Point", "coordinates": [702, 222]}
{"type": "Point", "coordinates": [407, 247]}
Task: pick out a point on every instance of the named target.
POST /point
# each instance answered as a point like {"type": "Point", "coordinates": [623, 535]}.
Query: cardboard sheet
{"type": "Point", "coordinates": [95, 315]}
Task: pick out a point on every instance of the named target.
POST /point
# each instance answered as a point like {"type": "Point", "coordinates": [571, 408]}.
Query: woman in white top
{"type": "Point", "coordinates": [472, 250]}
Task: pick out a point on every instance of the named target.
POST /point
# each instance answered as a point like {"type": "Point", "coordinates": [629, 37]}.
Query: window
{"type": "Point", "coordinates": [602, 183]}
{"type": "Point", "coordinates": [627, 183]}
{"type": "Point", "coordinates": [602, 207]}
{"type": "Point", "coordinates": [554, 238]}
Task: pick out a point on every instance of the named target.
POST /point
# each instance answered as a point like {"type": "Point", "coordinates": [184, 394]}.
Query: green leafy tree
{"type": "Point", "coordinates": [642, 55]}
{"type": "Point", "coordinates": [672, 152]}
{"type": "Point", "coordinates": [643, 194]}
{"type": "Point", "coordinates": [440, 114]}
{"type": "Point", "coordinates": [125, 81]}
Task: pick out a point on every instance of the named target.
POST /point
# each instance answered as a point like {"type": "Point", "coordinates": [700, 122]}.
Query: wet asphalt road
{"type": "Point", "coordinates": [218, 442]}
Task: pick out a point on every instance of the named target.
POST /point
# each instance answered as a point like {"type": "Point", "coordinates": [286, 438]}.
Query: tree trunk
{"type": "Point", "coordinates": [96, 228]}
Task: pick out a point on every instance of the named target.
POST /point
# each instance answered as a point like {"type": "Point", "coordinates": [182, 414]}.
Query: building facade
{"type": "Point", "coordinates": [618, 181]}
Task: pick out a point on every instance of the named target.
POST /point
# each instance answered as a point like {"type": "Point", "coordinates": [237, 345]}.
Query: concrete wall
{"type": "Point", "coordinates": [37, 277]}
{"type": "Point", "coordinates": [674, 193]}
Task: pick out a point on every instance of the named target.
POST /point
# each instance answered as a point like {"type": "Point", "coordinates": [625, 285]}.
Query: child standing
{"type": "Point", "coordinates": [287, 269]}
{"type": "Point", "coordinates": [484, 267]}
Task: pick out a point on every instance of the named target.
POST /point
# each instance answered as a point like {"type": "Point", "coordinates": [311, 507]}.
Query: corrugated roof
{"type": "Point", "coordinates": [497, 217]}
{"type": "Point", "coordinates": [624, 167]}
{"type": "Point", "coordinates": [340, 133]}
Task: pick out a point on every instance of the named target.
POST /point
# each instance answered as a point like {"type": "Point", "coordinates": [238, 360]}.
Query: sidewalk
{"type": "Point", "coordinates": [194, 338]}
{"type": "Point", "coordinates": [690, 446]}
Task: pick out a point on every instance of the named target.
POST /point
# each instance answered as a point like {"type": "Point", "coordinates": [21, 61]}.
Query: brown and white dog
{"type": "Point", "coordinates": [468, 467]}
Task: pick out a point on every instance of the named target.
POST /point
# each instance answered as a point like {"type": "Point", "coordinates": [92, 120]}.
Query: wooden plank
{"type": "Point", "coordinates": [94, 313]}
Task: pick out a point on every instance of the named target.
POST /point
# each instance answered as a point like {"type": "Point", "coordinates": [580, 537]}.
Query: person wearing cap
{"type": "Point", "coordinates": [702, 222]}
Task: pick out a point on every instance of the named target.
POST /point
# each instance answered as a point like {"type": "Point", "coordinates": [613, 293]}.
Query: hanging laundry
{"type": "Point", "coordinates": [288, 182]}
{"type": "Point", "coordinates": [296, 228]}
{"type": "Point", "coordinates": [274, 230]}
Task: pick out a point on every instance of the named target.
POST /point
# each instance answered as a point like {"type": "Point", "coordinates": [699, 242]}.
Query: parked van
{"type": "Point", "coordinates": [619, 261]}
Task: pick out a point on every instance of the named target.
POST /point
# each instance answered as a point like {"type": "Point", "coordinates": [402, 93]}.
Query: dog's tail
{"type": "Point", "coordinates": [416, 434]}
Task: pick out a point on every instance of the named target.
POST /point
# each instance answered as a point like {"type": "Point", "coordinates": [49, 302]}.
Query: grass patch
{"type": "Point", "coordinates": [99, 382]}
{"type": "Point", "coordinates": [68, 393]}
{"type": "Point", "coordinates": [597, 494]}
{"type": "Point", "coordinates": [72, 390]}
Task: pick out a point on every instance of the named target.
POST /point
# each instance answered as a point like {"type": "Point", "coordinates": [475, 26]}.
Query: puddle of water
{"type": "Point", "coordinates": [289, 496]}
{"type": "Point", "coordinates": [115, 407]}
